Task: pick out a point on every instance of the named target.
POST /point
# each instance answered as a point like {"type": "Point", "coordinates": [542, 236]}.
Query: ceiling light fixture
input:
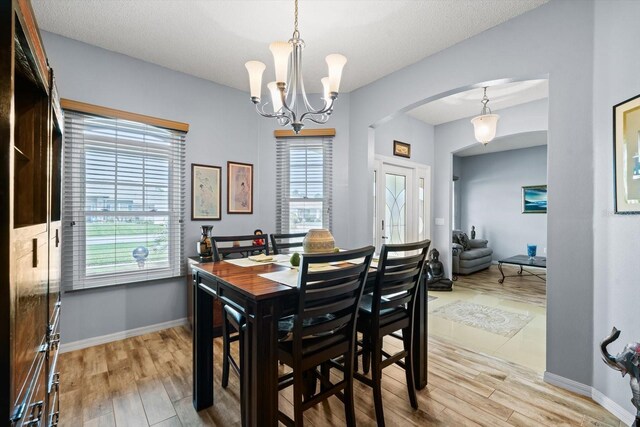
{"type": "Point", "coordinates": [484, 125]}
{"type": "Point", "coordinates": [286, 98]}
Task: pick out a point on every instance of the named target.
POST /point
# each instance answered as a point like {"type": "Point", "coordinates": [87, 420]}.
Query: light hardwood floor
{"type": "Point", "coordinates": [526, 289]}
{"type": "Point", "coordinates": [146, 380]}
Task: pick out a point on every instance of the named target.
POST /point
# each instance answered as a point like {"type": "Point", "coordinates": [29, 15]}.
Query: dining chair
{"type": "Point", "coordinates": [323, 328]}
{"type": "Point", "coordinates": [390, 308]}
{"type": "Point", "coordinates": [246, 246]}
{"type": "Point", "coordinates": [233, 321]}
{"type": "Point", "coordinates": [279, 242]}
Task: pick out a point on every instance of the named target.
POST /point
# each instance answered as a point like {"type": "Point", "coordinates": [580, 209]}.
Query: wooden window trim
{"type": "Point", "coordinates": [304, 132]}
{"type": "Point", "coordinates": [83, 107]}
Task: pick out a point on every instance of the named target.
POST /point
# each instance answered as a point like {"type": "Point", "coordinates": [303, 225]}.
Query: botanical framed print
{"type": "Point", "coordinates": [239, 188]}
{"type": "Point", "coordinates": [205, 192]}
{"type": "Point", "coordinates": [534, 199]}
{"type": "Point", "coordinates": [401, 149]}
{"type": "Point", "coordinates": [626, 156]}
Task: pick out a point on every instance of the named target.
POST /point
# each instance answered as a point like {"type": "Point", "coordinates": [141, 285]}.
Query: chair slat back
{"type": "Point", "coordinates": [333, 296]}
{"type": "Point", "coordinates": [398, 276]}
{"type": "Point", "coordinates": [280, 242]}
{"type": "Point", "coordinates": [246, 245]}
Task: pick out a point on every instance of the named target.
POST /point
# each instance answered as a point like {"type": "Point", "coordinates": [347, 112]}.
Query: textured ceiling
{"type": "Point", "coordinates": [213, 39]}
{"type": "Point", "coordinates": [467, 104]}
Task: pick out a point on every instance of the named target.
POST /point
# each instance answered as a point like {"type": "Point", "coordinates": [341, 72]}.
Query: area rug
{"type": "Point", "coordinates": [430, 298]}
{"type": "Point", "coordinates": [489, 319]}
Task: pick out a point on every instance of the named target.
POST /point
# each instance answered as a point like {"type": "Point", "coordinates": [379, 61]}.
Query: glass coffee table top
{"type": "Point", "coordinates": [524, 261]}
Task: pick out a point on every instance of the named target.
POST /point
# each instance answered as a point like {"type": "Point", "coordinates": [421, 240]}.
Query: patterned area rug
{"type": "Point", "coordinates": [490, 319]}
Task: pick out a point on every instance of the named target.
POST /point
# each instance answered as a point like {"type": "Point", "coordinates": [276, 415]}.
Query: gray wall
{"type": "Point", "coordinates": [491, 199]}
{"type": "Point", "coordinates": [223, 126]}
{"type": "Point", "coordinates": [615, 268]}
{"type": "Point", "coordinates": [406, 129]}
{"type": "Point", "coordinates": [563, 50]}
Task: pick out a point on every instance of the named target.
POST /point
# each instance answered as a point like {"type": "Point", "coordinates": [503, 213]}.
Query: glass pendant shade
{"type": "Point", "coordinates": [281, 52]}
{"type": "Point", "coordinates": [336, 62]}
{"type": "Point", "coordinates": [276, 101]}
{"type": "Point", "coordinates": [255, 70]}
{"type": "Point", "coordinates": [484, 127]}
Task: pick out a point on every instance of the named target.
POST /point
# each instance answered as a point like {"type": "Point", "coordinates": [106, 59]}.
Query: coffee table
{"type": "Point", "coordinates": [524, 261]}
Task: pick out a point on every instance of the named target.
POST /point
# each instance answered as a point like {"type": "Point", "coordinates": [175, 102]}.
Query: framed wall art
{"type": "Point", "coordinates": [626, 156]}
{"type": "Point", "coordinates": [534, 199]}
{"type": "Point", "coordinates": [205, 192]}
{"type": "Point", "coordinates": [401, 149]}
{"type": "Point", "coordinates": [239, 188]}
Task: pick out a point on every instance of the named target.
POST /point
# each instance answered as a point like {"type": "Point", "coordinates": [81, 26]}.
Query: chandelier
{"type": "Point", "coordinates": [288, 98]}
{"type": "Point", "coordinates": [485, 124]}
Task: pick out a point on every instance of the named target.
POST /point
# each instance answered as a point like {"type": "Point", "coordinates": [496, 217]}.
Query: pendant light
{"type": "Point", "coordinates": [484, 125]}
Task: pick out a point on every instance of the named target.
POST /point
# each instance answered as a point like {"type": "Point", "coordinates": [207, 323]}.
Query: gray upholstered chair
{"type": "Point", "coordinates": [477, 257]}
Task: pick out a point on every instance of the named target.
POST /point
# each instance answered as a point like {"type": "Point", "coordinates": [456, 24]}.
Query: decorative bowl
{"type": "Point", "coordinates": [317, 241]}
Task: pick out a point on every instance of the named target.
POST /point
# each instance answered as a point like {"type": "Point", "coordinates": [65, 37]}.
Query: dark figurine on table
{"type": "Point", "coordinates": [436, 279]}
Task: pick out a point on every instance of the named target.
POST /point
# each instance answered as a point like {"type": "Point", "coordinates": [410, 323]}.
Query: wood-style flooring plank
{"type": "Point", "coordinates": [106, 420]}
{"type": "Point", "coordinates": [136, 382]}
{"type": "Point", "coordinates": [525, 289]}
{"type": "Point", "coordinates": [128, 411]}
{"type": "Point", "coordinates": [156, 401]}
{"type": "Point", "coordinates": [188, 415]}
{"type": "Point", "coordinates": [171, 422]}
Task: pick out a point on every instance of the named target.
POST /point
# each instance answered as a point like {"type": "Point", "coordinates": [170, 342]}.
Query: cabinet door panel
{"type": "Point", "coordinates": [30, 281]}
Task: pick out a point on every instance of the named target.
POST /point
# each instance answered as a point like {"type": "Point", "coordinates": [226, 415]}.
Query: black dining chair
{"type": "Point", "coordinates": [323, 328]}
{"type": "Point", "coordinates": [280, 242]}
{"type": "Point", "coordinates": [246, 245]}
{"type": "Point", "coordinates": [233, 321]}
{"type": "Point", "coordinates": [391, 308]}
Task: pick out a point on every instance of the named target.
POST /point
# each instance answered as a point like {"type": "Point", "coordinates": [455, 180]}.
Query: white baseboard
{"type": "Point", "coordinates": [627, 417]}
{"type": "Point", "coordinates": [585, 390]}
{"type": "Point", "coordinates": [90, 342]}
{"type": "Point", "coordinates": [567, 384]}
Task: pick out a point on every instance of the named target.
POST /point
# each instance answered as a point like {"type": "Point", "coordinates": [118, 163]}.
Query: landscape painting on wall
{"type": "Point", "coordinates": [534, 199]}
{"type": "Point", "coordinates": [626, 145]}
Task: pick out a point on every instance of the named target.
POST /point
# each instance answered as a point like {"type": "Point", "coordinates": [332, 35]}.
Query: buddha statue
{"type": "Point", "coordinates": [436, 279]}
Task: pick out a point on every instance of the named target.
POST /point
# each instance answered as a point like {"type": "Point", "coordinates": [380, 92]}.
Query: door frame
{"type": "Point", "coordinates": [419, 170]}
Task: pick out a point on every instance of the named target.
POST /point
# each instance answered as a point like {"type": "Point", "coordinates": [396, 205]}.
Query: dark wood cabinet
{"type": "Point", "coordinates": [216, 307]}
{"type": "Point", "coordinates": [31, 127]}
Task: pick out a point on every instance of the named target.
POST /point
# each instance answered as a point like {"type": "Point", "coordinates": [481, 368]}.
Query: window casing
{"type": "Point", "coordinates": [123, 201]}
{"type": "Point", "coordinates": [304, 184]}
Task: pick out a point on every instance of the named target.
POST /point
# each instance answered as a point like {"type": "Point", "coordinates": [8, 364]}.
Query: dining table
{"type": "Point", "coordinates": [263, 292]}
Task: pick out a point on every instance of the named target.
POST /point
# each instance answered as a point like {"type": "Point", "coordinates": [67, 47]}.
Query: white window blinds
{"type": "Point", "coordinates": [304, 184]}
{"type": "Point", "coordinates": [123, 201]}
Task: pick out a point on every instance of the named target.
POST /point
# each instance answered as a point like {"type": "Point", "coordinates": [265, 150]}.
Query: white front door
{"type": "Point", "coordinates": [401, 201]}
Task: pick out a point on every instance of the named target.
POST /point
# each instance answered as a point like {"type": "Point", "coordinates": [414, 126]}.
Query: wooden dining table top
{"type": "Point", "coordinates": [247, 280]}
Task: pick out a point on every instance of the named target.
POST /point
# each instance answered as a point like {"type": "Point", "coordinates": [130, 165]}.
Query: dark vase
{"type": "Point", "coordinates": [204, 247]}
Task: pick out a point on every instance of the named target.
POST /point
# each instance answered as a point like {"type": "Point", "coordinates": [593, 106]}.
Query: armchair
{"type": "Point", "coordinates": [477, 257]}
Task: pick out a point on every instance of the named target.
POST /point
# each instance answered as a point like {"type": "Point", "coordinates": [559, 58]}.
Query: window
{"type": "Point", "coordinates": [304, 184]}
{"type": "Point", "coordinates": [123, 201]}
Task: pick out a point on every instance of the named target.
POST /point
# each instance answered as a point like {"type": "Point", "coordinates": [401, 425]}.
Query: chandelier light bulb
{"type": "Point", "coordinates": [336, 63]}
{"type": "Point", "coordinates": [291, 106]}
{"type": "Point", "coordinates": [276, 101]}
{"type": "Point", "coordinates": [281, 52]}
{"type": "Point", "coordinates": [255, 70]}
